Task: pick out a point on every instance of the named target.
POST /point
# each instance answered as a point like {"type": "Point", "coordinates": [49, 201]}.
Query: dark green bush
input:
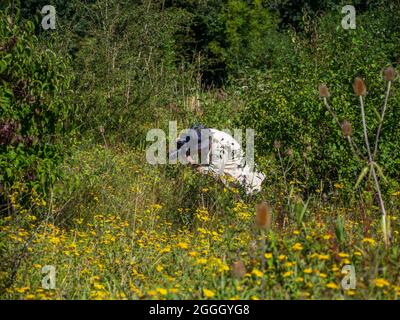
{"type": "Point", "coordinates": [128, 76]}
{"type": "Point", "coordinates": [283, 103]}
{"type": "Point", "coordinates": [35, 106]}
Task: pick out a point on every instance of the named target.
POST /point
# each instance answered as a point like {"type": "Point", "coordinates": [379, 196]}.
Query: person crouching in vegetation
{"type": "Point", "coordinates": [216, 152]}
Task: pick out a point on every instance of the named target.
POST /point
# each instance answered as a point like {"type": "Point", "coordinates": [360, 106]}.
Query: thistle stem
{"type": "Point", "coordinates": [353, 145]}
{"type": "Point", "coordinates": [331, 111]}
{"type": "Point", "coordinates": [371, 163]}
{"type": "Point", "coordinates": [263, 244]}
{"type": "Point", "coordinates": [381, 120]}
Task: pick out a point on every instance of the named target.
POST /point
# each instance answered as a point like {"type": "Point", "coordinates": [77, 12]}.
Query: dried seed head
{"type": "Point", "coordinates": [289, 152]}
{"type": "Point", "coordinates": [389, 74]}
{"type": "Point", "coordinates": [324, 91]}
{"type": "Point", "coordinates": [359, 87]}
{"type": "Point", "coordinates": [101, 129]}
{"type": "Point", "coordinates": [263, 216]}
{"type": "Point", "coordinates": [277, 144]}
{"type": "Point", "coordinates": [347, 129]}
{"type": "Point", "coordinates": [238, 269]}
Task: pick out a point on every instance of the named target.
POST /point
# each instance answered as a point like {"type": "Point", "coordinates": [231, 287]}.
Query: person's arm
{"type": "Point", "coordinates": [198, 167]}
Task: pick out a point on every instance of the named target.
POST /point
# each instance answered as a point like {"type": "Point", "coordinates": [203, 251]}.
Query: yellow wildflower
{"type": "Point", "coordinates": [380, 282]}
{"type": "Point", "coordinates": [297, 246]}
{"type": "Point", "coordinates": [332, 285]}
{"type": "Point", "coordinates": [208, 293]}
{"type": "Point", "coordinates": [162, 291]}
{"type": "Point", "coordinates": [257, 273]}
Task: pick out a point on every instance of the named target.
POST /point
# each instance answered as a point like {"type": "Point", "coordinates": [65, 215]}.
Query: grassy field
{"type": "Point", "coordinates": [83, 88]}
{"type": "Point", "coordinates": [118, 228]}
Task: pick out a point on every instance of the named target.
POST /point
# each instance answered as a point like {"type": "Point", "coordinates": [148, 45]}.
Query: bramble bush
{"type": "Point", "coordinates": [283, 105]}
{"type": "Point", "coordinates": [35, 107]}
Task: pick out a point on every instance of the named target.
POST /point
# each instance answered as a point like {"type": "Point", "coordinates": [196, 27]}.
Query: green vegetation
{"type": "Point", "coordinates": [35, 106]}
{"type": "Point", "coordinates": [76, 191]}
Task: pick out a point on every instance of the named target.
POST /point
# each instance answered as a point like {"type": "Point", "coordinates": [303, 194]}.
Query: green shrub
{"type": "Point", "coordinates": [283, 103]}
{"type": "Point", "coordinates": [35, 106]}
{"type": "Point", "coordinates": [128, 77]}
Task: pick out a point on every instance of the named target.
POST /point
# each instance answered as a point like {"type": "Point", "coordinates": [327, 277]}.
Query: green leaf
{"type": "Point", "coordinates": [380, 172]}
{"type": "Point", "coordinates": [361, 176]}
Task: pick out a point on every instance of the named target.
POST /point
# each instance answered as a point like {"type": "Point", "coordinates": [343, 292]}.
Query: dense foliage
{"type": "Point", "coordinates": [76, 192]}
{"type": "Point", "coordinates": [35, 108]}
{"type": "Point", "coordinates": [283, 103]}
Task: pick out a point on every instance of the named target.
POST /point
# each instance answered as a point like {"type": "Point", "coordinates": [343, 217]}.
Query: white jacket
{"type": "Point", "coordinates": [226, 157]}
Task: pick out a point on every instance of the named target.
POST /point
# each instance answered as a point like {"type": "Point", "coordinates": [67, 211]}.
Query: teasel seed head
{"type": "Point", "coordinates": [360, 89]}
{"type": "Point", "coordinates": [238, 269]}
{"type": "Point", "coordinates": [324, 91]}
{"type": "Point", "coordinates": [101, 129]}
{"type": "Point", "coordinates": [389, 73]}
{"type": "Point", "coordinates": [277, 144]}
{"type": "Point", "coordinates": [263, 216]}
{"type": "Point", "coordinates": [347, 129]}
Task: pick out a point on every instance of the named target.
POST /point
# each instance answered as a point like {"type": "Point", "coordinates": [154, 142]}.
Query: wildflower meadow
{"type": "Point", "coordinates": [84, 215]}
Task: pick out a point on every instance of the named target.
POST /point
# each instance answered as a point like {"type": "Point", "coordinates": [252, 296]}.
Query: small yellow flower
{"type": "Point", "coordinates": [370, 241]}
{"type": "Point", "coordinates": [165, 250]}
{"type": "Point", "coordinates": [297, 246]}
{"type": "Point", "coordinates": [257, 273]}
{"type": "Point", "coordinates": [174, 290]}
{"type": "Point", "coordinates": [332, 285]}
{"type": "Point", "coordinates": [22, 289]}
{"type": "Point", "coordinates": [152, 293]}
{"type": "Point", "coordinates": [307, 271]}
{"type": "Point", "coordinates": [287, 274]}
{"type": "Point", "coordinates": [268, 255]}
{"type": "Point", "coordinates": [98, 286]}
{"type": "Point", "coordinates": [208, 293]}
{"type": "Point", "coordinates": [159, 268]}
{"type": "Point", "coordinates": [162, 291]}
{"type": "Point", "coordinates": [380, 282]}
{"type": "Point", "coordinates": [182, 245]}
{"type": "Point", "coordinates": [323, 257]}
{"type": "Point", "coordinates": [155, 207]}
{"type": "Point", "coordinates": [201, 261]}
